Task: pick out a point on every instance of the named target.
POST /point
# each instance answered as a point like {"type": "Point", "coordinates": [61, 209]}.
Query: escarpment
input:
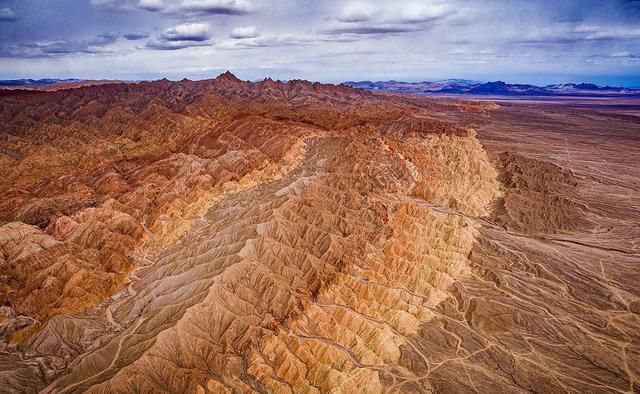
{"type": "Point", "coordinates": [228, 236]}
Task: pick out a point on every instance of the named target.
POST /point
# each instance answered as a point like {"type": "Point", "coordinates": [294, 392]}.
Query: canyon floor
{"type": "Point", "coordinates": [228, 236]}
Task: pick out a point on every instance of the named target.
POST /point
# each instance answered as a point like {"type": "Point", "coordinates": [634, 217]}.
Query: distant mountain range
{"type": "Point", "coordinates": [447, 86]}
{"type": "Point", "coordinates": [496, 88]}
{"type": "Point", "coordinates": [49, 84]}
{"type": "Point", "coordinates": [46, 81]}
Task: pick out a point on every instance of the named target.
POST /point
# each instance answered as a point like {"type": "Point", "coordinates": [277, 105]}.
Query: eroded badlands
{"type": "Point", "coordinates": [228, 236]}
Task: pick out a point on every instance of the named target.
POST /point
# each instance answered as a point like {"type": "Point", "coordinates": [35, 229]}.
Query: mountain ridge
{"type": "Point", "coordinates": [499, 88]}
{"type": "Point", "coordinates": [31, 81]}
{"type": "Point", "coordinates": [446, 86]}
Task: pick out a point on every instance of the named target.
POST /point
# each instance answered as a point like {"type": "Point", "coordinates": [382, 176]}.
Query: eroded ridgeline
{"type": "Point", "coordinates": [315, 281]}
{"type": "Point", "coordinates": [298, 239]}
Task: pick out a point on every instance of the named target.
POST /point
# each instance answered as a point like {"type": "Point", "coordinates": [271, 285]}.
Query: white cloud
{"type": "Point", "coordinates": [389, 17]}
{"type": "Point", "coordinates": [357, 12]}
{"type": "Point", "coordinates": [594, 32]}
{"type": "Point", "coordinates": [187, 32]}
{"type": "Point", "coordinates": [420, 12]}
{"type": "Point", "coordinates": [394, 12]}
{"type": "Point", "coordinates": [244, 32]}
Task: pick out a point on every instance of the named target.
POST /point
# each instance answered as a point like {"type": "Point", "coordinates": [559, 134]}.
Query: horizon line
{"type": "Point", "coordinates": [407, 81]}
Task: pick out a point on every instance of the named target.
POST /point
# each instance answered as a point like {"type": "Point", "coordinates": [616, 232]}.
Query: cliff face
{"type": "Point", "coordinates": [223, 235]}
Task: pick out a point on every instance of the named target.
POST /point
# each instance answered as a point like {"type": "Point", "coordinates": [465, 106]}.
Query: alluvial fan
{"type": "Point", "coordinates": [229, 236]}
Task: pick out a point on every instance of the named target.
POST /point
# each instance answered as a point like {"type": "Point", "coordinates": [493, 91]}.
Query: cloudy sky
{"type": "Point", "coordinates": [544, 41]}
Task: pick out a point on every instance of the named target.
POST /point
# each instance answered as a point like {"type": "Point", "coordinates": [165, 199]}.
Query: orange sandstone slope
{"type": "Point", "coordinates": [221, 235]}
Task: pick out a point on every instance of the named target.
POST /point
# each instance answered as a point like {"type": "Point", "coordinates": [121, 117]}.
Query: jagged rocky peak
{"type": "Point", "coordinates": [228, 76]}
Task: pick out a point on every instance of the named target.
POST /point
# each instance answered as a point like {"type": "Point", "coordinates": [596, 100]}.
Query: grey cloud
{"type": "Point", "coordinates": [7, 15]}
{"type": "Point", "coordinates": [280, 40]}
{"type": "Point", "coordinates": [565, 34]}
{"type": "Point", "coordinates": [458, 42]}
{"type": "Point", "coordinates": [135, 36]}
{"type": "Point", "coordinates": [591, 32]}
{"type": "Point", "coordinates": [544, 42]}
{"type": "Point", "coordinates": [370, 30]}
{"type": "Point", "coordinates": [151, 5]}
{"type": "Point", "coordinates": [50, 48]}
{"type": "Point", "coordinates": [187, 7]}
{"type": "Point", "coordinates": [353, 18]}
{"type": "Point", "coordinates": [182, 36]}
{"type": "Point", "coordinates": [117, 5]}
{"type": "Point", "coordinates": [35, 49]}
{"type": "Point", "coordinates": [103, 39]}
{"type": "Point", "coordinates": [615, 58]}
{"type": "Point", "coordinates": [175, 45]}
{"type": "Point", "coordinates": [346, 54]}
{"type": "Point", "coordinates": [222, 7]}
{"type": "Point", "coordinates": [100, 3]}
{"type": "Point", "coordinates": [389, 18]}
{"type": "Point", "coordinates": [264, 42]}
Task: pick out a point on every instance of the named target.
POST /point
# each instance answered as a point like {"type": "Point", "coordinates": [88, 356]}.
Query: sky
{"type": "Point", "coordinates": [539, 42]}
